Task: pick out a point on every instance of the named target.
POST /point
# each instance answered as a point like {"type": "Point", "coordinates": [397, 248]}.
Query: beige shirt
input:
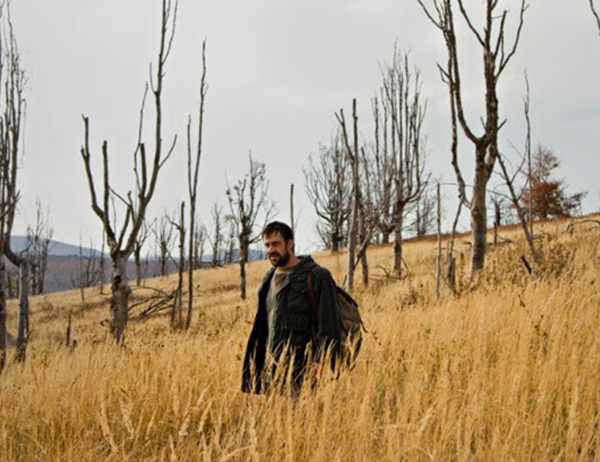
{"type": "Point", "coordinates": [277, 282]}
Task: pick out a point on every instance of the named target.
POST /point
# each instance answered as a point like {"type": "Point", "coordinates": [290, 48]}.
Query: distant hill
{"type": "Point", "coordinates": [56, 249]}
{"type": "Point", "coordinates": [63, 263]}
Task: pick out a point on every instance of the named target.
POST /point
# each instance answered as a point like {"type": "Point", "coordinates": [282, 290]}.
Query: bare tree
{"type": "Point", "coordinates": [497, 52]}
{"type": "Point", "coordinates": [425, 213]}
{"type": "Point", "coordinates": [362, 211]}
{"type": "Point", "coordinates": [402, 142]}
{"type": "Point", "coordinates": [121, 243]}
{"type": "Point", "coordinates": [525, 216]}
{"type": "Point", "coordinates": [529, 185]}
{"type": "Point", "coordinates": [12, 114]}
{"type": "Point", "coordinates": [199, 243]}
{"type": "Point", "coordinates": [352, 152]}
{"type": "Point", "coordinates": [247, 201]}
{"type": "Point", "coordinates": [87, 273]}
{"type": "Point", "coordinates": [193, 170]}
{"type": "Point", "coordinates": [38, 243]}
{"type": "Point", "coordinates": [217, 234]}
{"type": "Point", "coordinates": [450, 274]}
{"type": "Point", "coordinates": [230, 242]}
{"type": "Point", "coordinates": [383, 168]}
{"type": "Point", "coordinates": [328, 189]}
{"type": "Point", "coordinates": [177, 310]}
{"type": "Point", "coordinates": [164, 241]}
{"type": "Point", "coordinates": [367, 216]}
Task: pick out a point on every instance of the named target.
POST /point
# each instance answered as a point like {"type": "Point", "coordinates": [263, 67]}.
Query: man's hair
{"type": "Point", "coordinates": [279, 227]}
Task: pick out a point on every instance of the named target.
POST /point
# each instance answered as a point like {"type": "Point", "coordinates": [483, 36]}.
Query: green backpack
{"type": "Point", "coordinates": [352, 323]}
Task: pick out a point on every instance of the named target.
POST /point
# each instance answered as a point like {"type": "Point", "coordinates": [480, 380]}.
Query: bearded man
{"type": "Point", "coordinates": [298, 321]}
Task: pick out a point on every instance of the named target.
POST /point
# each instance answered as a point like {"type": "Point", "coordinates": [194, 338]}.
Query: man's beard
{"type": "Point", "coordinates": [282, 260]}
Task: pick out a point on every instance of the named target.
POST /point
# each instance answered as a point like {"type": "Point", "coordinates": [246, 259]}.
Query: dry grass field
{"type": "Point", "coordinates": [507, 369]}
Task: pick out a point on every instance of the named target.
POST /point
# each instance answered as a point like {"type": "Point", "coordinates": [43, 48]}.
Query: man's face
{"type": "Point", "coordinates": [278, 250]}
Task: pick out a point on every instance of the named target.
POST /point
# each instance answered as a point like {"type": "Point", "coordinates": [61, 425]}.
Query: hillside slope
{"type": "Point", "coordinates": [508, 368]}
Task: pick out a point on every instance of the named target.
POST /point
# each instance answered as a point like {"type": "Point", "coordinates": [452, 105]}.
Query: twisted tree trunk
{"type": "Point", "coordinates": [119, 301]}
{"type": "Point", "coordinates": [479, 218]}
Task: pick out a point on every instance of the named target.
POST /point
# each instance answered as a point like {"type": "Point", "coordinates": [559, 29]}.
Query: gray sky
{"type": "Point", "coordinates": [277, 72]}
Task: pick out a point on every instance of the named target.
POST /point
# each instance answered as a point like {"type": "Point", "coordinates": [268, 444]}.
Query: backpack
{"type": "Point", "coordinates": [352, 323]}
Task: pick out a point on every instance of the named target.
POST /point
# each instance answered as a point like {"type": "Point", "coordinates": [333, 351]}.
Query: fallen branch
{"type": "Point", "coordinates": [155, 308]}
{"type": "Point", "coordinates": [528, 266]}
{"type": "Point", "coordinates": [571, 226]}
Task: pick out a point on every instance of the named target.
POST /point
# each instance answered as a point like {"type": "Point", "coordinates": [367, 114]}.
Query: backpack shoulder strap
{"type": "Point", "coordinates": [311, 295]}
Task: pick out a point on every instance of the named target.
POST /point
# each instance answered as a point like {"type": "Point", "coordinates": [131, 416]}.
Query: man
{"type": "Point", "coordinates": [294, 321]}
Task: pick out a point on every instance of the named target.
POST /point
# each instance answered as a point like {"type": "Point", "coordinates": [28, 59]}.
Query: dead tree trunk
{"type": "Point", "coordinates": [193, 169]}
{"type": "Point", "coordinates": [450, 276]}
{"type": "Point", "coordinates": [329, 190]}
{"type": "Point", "coordinates": [527, 103]}
{"type": "Point", "coordinates": [403, 114]}
{"type": "Point", "coordinates": [86, 272]}
{"type": "Point", "coordinates": [23, 323]}
{"type": "Point", "coordinates": [137, 258]}
{"type": "Point", "coordinates": [497, 218]}
{"type": "Point", "coordinates": [520, 212]}
{"type": "Point", "coordinates": [121, 243]}
{"type": "Point", "coordinates": [525, 217]}
{"type": "Point", "coordinates": [383, 167]}
{"type": "Point", "coordinates": [247, 200]}
{"type": "Point", "coordinates": [364, 238]}
{"type": "Point", "coordinates": [164, 239]}
{"type": "Point", "coordinates": [479, 216]}
{"type": "Point", "coordinates": [12, 113]}
{"type": "Point", "coordinates": [398, 248]}
{"type": "Point", "coordinates": [3, 332]}
{"type": "Point", "coordinates": [217, 235]}
{"type": "Point", "coordinates": [137, 252]}
{"type": "Point", "coordinates": [243, 258]}
{"type": "Point", "coordinates": [81, 281]}
{"type": "Point", "coordinates": [177, 313]}
{"type": "Point", "coordinates": [496, 56]}
{"type": "Point", "coordinates": [68, 333]}
{"type": "Point", "coordinates": [38, 241]}
{"type": "Point", "coordinates": [200, 237]}
{"type": "Point", "coordinates": [101, 265]}
{"type": "Point", "coordinates": [439, 243]}
{"type": "Point", "coordinates": [230, 244]}
{"type": "Point", "coordinates": [119, 301]}
{"type": "Point", "coordinates": [353, 158]}
{"type": "Point", "coordinates": [23, 263]}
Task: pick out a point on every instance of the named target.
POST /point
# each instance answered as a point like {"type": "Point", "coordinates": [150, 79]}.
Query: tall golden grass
{"type": "Point", "coordinates": [506, 369]}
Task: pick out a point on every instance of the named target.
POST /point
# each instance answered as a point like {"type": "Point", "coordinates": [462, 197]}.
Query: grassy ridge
{"type": "Point", "coordinates": [507, 369]}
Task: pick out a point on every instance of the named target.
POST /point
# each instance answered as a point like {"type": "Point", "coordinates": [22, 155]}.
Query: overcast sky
{"type": "Point", "coordinates": [277, 72]}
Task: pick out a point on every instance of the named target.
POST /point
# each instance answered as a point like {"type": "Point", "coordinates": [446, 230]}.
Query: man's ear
{"type": "Point", "coordinates": [291, 246]}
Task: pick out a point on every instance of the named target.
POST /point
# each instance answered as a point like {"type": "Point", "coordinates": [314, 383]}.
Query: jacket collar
{"type": "Point", "coordinates": [305, 265]}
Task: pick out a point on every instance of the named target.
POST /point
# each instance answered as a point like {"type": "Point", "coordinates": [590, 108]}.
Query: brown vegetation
{"type": "Point", "coordinates": [506, 369]}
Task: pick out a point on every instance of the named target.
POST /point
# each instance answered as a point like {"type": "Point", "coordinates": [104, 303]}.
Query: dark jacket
{"type": "Point", "coordinates": [295, 322]}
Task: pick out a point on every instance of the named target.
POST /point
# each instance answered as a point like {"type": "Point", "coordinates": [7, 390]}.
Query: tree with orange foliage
{"type": "Point", "coordinates": [548, 195]}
